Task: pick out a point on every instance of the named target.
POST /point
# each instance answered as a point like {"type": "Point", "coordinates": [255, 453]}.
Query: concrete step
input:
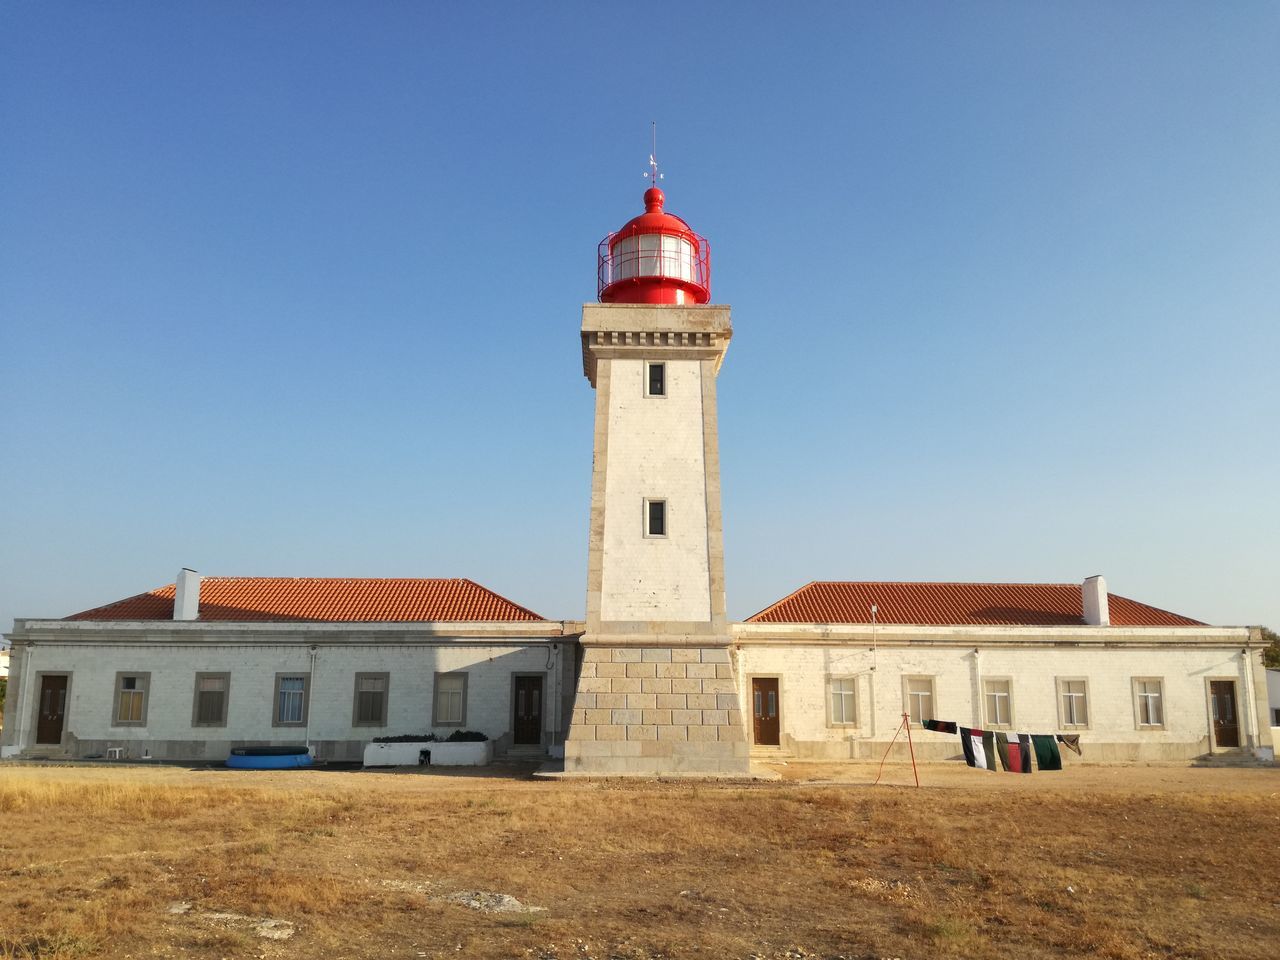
{"type": "Point", "coordinates": [526, 753]}
{"type": "Point", "coordinates": [44, 754]}
{"type": "Point", "coordinates": [1230, 758]}
{"type": "Point", "coordinates": [765, 754]}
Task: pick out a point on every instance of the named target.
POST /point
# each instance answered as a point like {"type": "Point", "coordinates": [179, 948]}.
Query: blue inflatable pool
{"type": "Point", "coordinates": [269, 758]}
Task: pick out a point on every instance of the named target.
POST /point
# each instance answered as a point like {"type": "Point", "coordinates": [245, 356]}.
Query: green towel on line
{"type": "Point", "coordinates": [1047, 755]}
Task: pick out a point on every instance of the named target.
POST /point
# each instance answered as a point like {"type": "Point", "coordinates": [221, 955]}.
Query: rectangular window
{"type": "Point", "coordinates": [918, 693]}
{"type": "Point", "coordinates": [844, 700]}
{"type": "Point", "coordinates": [1073, 702]}
{"type": "Point", "coordinates": [1148, 695]}
{"type": "Point", "coordinates": [998, 696]}
{"type": "Point", "coordinates": [131, 699]}
{"type": "Point", "coordinates": [655, 380]}
{"type": "Point", "coordinates": [210, 707]}
{"type": "Point", "coordinates": [370, 709]}
{"type": "Point", "coordinates": [451, 699]}
{"type": "Point", "coordinates": [655, 518]}
{"type": "Point", "coordinates": [291, 699]}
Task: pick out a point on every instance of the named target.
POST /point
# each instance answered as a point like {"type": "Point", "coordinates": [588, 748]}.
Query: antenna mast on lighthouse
{"type": "Point", "coordinates": [653, 174]}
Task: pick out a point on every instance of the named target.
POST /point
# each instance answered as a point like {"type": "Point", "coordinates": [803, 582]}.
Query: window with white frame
{"type": "Point", "coordinates": [131, 699]}
{"type": "Point", "coordinates": [655, 518]}
{"type": "Point", "coordinates": [918, 692]}
{"type": "Point", "coordinates": [1148, 701]}
{"type": "Point", "coordinates": [844, 700]}
{"type": "Point", "coordinates": [370, 708]}
{"type": "Point", "coordinates": [655, 380]}
{"type": "Point", "coordinates": [291, 699]}
{"type": "Point", "coordinates": [210, 706]}
{"type": "Point", "coordinates": [997, 694]}
{"type": "Point", "coordinates": [450, 699]}
{"type": "Point", "coordinates": [1073, 702]}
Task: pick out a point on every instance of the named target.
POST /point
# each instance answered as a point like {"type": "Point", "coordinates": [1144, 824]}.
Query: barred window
{"type": "Point", "coordinates": [371, 699]}
{"type": "Point", "coordinates": [291, 699]}
{"type": "Point", "coordinates": [210, 709]}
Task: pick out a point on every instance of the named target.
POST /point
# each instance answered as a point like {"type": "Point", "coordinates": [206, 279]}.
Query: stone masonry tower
{"type": "Point", "coordinates": [657, 692]}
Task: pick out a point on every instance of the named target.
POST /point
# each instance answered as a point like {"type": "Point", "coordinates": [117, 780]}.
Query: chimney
{"type": "Point", "coordinates": [186, 595]}
{"type": "Point", "coordinates": [1093, 595]}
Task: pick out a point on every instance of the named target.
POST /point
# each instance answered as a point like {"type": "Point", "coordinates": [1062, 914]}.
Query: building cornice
{"type": "Point", "coordinates": [744, 634]}
{"type": "Point", "coordinates": [795, 634]}
{"type": "Point", "coordinates": [211, 632]}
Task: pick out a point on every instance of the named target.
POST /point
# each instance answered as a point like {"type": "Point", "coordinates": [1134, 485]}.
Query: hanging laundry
{"type": "Point", "coordinates": [1016, 758]}
{"type": "Point", "coordinates": [1071, 741]}
{"type": "Point", "coordinates": [1002, 750]}
{"type": "Point", "coordinates": [1047, 755]}
{"type": "Point", "coordinates": [1011, 754]}
{"type": "Point", "coordinates": [941, 726]}
{"type": "Point", "coordinates": [979, 748]}
{"type": "Point", "coordinates": [1024, 748]}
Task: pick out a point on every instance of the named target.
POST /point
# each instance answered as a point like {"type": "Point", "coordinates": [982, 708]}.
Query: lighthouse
{"type": "Point", "coordinates": [657, 691]}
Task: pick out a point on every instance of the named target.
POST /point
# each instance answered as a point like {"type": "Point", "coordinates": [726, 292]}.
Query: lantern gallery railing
{"type": "Point", "coordinates": [657, 255]}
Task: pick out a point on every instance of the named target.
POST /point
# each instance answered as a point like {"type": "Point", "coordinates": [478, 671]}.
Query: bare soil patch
{"type": "Point", "coordinates": [1120, 862]}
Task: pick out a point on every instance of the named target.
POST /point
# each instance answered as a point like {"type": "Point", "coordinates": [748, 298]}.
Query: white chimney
{"type": "Point", "coordinates": [1094, 598]}
{"type": "Point", "coordinates": [186, 595]}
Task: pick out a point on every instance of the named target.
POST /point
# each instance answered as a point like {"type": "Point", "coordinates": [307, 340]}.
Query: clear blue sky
{"type": "Point", "coordinates": [294, 289]}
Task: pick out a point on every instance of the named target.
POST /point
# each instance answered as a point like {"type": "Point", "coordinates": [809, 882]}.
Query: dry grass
{"type": "Point", "coordinates": [1130, 864]}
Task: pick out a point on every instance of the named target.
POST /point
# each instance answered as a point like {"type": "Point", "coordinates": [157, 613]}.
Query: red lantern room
{"type": "Point", "coordinates": [655, 258]}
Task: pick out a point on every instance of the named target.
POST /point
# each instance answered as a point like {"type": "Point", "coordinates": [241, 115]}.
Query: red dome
{"type": "Point", "coordinates": [655, 258]}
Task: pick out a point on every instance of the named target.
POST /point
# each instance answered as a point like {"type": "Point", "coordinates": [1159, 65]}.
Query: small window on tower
{"type": "Point", "coordinates": [655, 518]}
{"type": "Point", "coordinates": [656, 385]}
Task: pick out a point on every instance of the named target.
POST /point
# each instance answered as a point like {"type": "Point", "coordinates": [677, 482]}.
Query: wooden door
{"type": "Point", "coordinates": [528, 725]}
{"type": "Point", "coordinates": [1226, 725]}
{"type": "Point", "coordinates": [53, 709]}
{"type": "Point", "coordinates": [764, 710]}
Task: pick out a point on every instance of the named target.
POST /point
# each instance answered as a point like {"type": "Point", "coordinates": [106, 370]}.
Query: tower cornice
{"type": "Point", "coordinates": [626, 330]}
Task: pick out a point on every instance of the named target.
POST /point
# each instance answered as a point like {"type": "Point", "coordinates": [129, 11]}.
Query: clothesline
{"type": "Point", "coordinates": [983, 747]}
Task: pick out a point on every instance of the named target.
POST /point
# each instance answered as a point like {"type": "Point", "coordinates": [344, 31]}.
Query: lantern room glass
{"type": "Point", "coordinates": [653, 255]}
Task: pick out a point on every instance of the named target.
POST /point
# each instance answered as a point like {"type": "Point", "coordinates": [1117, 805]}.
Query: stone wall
{"type": "Point", "coordinates": [650, 710]}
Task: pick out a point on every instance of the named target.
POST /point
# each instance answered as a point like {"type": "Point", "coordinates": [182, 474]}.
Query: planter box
{"type": "Point", "coordinates": [442, 754]}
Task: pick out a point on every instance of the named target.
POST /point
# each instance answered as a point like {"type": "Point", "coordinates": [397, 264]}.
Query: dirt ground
{"type": "Point", "coordinates": [1095, 861]}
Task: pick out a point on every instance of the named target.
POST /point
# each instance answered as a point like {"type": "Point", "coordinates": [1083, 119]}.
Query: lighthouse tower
{"type": "Point", "coordinates": [657, 692]}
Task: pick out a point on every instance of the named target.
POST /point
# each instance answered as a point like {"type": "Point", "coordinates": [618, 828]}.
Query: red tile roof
{"type": "Point", "coordinates": [323, 599]}
{"type": "Point", "coordinates": [957, 604]}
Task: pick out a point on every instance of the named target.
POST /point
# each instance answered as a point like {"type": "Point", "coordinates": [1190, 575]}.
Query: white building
{"type": "Point", "coordinates": [273, 661]}
{"type": "Point", "coordinates": [657, 680]}
{"type": "Point", "coordinates": [1133, 681]}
